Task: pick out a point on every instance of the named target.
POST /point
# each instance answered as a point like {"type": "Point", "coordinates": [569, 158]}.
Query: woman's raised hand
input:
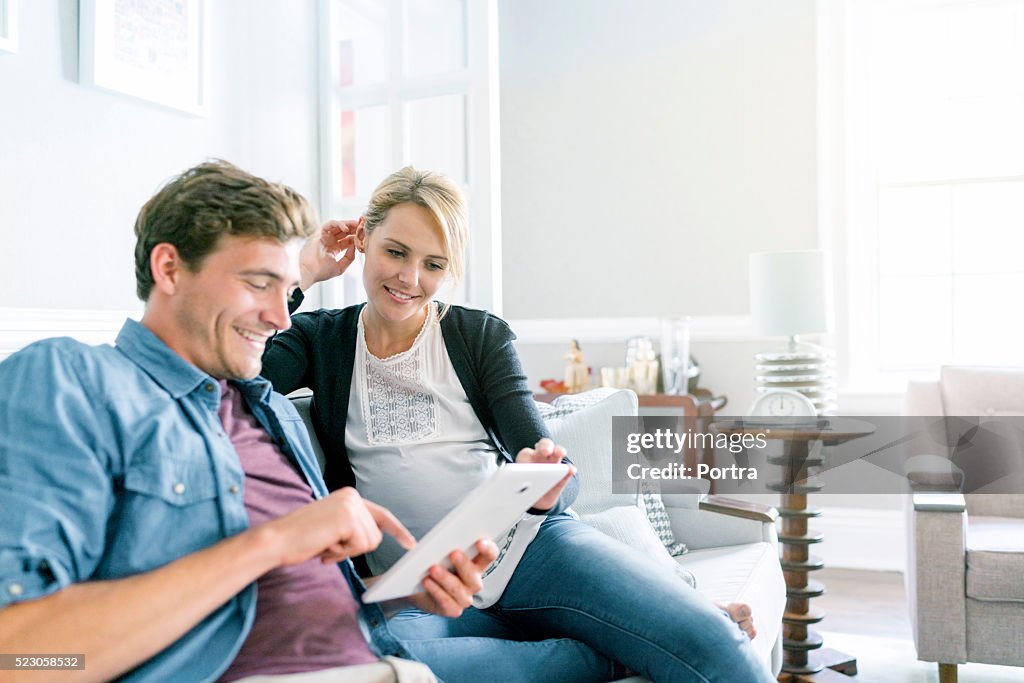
{"type": "Point", "coordinates": [328, 252]}
{"type": "Point", "coordinates": [547, 452]}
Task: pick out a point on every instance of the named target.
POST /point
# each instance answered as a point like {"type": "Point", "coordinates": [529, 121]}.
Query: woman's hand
{"type": "Point", "coordinates": [449, 592]}
{"type": "Point", "coordinates": [319, 259]}
{"type": "Point", "coordinates": [547, 452]}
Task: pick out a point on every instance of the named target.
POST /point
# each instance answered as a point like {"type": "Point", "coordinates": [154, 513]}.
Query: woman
{"type": "Point", "coordinates": [416, 402]}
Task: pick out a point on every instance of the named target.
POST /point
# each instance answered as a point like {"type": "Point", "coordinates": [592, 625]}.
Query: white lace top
{"type": "Point", "coordinates": [417, 447]}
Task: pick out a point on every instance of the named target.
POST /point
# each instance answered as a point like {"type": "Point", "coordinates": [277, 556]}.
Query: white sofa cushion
{"type": "Point", "coordinates": [748, 573]}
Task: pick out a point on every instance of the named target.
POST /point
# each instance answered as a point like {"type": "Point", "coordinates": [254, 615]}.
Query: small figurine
{"type": "Point", "coordinates": [577, 378]}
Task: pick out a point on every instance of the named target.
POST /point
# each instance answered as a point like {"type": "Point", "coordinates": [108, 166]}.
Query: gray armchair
{"type": "Point", "coordinates": [965, 573]}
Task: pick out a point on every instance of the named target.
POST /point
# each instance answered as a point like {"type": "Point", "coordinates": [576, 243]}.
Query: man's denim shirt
{"type": "Point", "coordinates": [113, 462]}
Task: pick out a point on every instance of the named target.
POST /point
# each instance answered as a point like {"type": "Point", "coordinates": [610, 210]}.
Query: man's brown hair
{"type": "Point", "coordinates": [193, 210]}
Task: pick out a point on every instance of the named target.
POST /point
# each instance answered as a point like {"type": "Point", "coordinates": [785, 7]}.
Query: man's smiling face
{"type": "Point", "coordinates": [225, 311]}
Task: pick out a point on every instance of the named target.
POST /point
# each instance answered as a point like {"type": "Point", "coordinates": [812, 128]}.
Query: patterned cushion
{"type": "Point", "coordinates": [658, 517]}
{"type": "Point", "coordinates": [570, 403]}
{"type": "Point", "coordinates": [577, 421]}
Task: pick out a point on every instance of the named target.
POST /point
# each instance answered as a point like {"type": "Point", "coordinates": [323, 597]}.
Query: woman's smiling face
{"type": "Point", "coordinates": [405, 263]}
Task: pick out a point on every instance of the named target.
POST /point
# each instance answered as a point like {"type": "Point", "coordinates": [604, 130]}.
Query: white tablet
{"type": "Point", "coordinates": [489, 510]}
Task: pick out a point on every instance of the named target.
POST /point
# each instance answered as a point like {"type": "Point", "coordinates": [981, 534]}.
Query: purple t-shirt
{"type": "Point", "coordinates": [305, 613]}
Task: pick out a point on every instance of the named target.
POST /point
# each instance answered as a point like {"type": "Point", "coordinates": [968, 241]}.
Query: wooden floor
{"type": "Point", "coordinates": [867, 617]}
{"type": "Point", "coordinates": [864, 603]}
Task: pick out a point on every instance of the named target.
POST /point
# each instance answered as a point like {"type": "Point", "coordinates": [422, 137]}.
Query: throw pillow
{"type": "Point", "coordinates": [586, 434]}
{"type": "Point", "coordinates": [627, 524]}
{"type": "Point", "coordinates": [571, 403]}
{"type": "Point", "coordinates": [657, 515]}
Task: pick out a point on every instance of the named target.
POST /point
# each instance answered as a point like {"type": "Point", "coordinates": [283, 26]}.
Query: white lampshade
{"type": "Point", "coordinates": [790, 293]}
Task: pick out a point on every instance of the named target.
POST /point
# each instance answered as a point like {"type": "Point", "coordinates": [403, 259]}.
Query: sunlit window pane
{"type": "Point", "coordinates": [909, 145]}
{"type": "Point", "coordinates": [948, 92]}
{"type": "Point", "coordinates": [985, 136]}
{"type": "Point", "coordinates": [436, 135]}
{"type": "Point", "coordinates": [985, 48]}
{"type": "Point", "coordinates": [908, 84]}
{"type": "Point", "coordinates": [361, 42]}
{"type": "Point", "coordinates": [989, 228]}
{"type": "Point", "coordinates": [987, 326]}
{"type": "Point", "coordinates": [914, 231]}
{"type": "Point", "coordinates": [435, 36]}
{"type": "Point", "coordinates": [365, 150]}
{"type": "Point", "coordinates": [914, 320]}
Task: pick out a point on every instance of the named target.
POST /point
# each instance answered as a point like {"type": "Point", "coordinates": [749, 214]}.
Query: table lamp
{"type": "Point", "coordinates": [791, 295]}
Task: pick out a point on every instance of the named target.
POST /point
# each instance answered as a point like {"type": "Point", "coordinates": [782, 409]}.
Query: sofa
{"type": "Point", "coordinates": [965, 552]}
{"type": "Point", "coordinates": [728, 549]}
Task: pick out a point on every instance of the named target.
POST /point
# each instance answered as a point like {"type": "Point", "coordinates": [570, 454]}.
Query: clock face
{"type": "Point", "coordinates": [783, 403]}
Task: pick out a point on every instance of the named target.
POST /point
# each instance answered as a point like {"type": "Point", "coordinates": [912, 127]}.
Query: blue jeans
{"type": "Point", "coordinates": [588, 593]}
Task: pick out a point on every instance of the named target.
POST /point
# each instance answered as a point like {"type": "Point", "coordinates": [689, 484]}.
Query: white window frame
{"type": "Point", "coordinates": [479, 83]}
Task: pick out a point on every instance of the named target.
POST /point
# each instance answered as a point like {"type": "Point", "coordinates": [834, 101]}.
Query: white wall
{"type": "Point", "coordinates": [647, 147]}
{"type": "Point", "coordinates": [77, 163]}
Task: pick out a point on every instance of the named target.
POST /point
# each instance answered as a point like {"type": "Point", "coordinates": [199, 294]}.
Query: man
{"type": "Point", "coordinates": [146, 489]}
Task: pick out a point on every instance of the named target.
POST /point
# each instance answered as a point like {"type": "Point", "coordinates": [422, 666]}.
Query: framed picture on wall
{"type": "Point", "coordinates": [8, 25]}
{"type": "Point", "coordinates": [154, 50]}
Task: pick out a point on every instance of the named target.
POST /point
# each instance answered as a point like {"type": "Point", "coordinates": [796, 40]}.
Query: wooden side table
{"type": "Point", "coordinates": [804, 660]}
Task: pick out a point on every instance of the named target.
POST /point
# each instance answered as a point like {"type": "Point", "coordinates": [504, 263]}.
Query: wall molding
{"type": "Point", "coordinates": [862, 538]}
{"type": "Point", "coordinates": [717, 328]}
{"type": "Point", "coordinates": [19, 327]}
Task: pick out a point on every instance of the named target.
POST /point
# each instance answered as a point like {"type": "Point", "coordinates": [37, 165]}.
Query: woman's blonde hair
{"type": "Point", "coordinates": [439, 195]}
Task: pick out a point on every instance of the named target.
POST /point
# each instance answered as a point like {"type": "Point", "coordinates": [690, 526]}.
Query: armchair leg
{"type": "Point", "coordinates": [947, 673]}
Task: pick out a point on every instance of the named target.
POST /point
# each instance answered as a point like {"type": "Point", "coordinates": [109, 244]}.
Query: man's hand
{"type": "Point", "coordinates": [319, 259]}
{"type": "Point", "coordinates": [449, 592]}
{"type": "Point", "coordinates": [547, 452]}
{"type": "Point", "coordinates": [120, 611]}
{"type": "Point", "coordinates": [333, 528]}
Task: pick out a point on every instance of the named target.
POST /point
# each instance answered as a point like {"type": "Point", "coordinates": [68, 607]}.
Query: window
{"type": "Point", "coordinates": [412, 82]}
{"type": "Point", "coordinates": [934, 185]}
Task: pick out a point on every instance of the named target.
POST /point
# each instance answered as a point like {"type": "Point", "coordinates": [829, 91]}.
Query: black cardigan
{"type": "Point", "coordinates": [318, 352]}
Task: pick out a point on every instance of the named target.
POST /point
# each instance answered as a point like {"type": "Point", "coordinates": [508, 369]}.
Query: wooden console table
{"type": "Point", "coordinates": [700, 402]}
{"type": "Point", "coordinates": [804, 660]}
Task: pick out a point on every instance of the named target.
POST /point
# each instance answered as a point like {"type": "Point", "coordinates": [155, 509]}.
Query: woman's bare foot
{"type": "Point", "coordinates": [740, 613]}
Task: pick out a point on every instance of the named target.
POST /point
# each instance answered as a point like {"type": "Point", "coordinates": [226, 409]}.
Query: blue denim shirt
{"type": "Point", "coordinates": [113, 462]}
